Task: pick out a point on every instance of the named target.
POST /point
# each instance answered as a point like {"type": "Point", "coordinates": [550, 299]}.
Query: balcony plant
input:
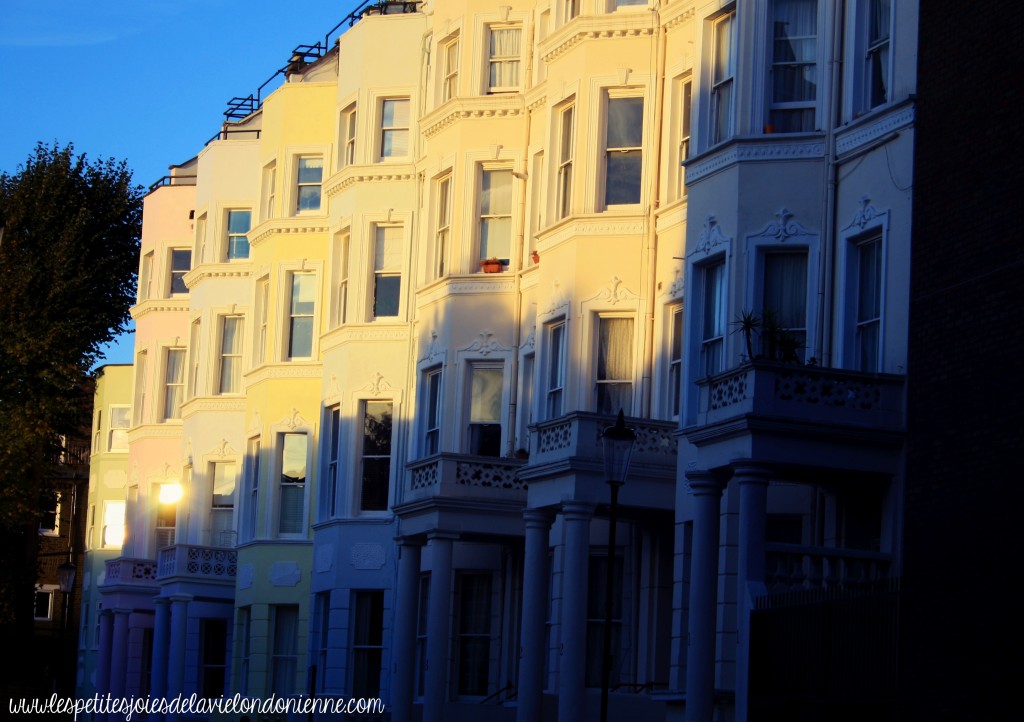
{"type": "Point", "coordinates": [491, 265]}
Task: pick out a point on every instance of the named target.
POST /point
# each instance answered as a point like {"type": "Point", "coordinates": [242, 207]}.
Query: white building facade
{"type": "Point", "coordinates": [384, 327]}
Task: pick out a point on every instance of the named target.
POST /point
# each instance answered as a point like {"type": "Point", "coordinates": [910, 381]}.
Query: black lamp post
{"type": "Point", "coordinates": [618, 448]}
{"type": "Point", "coordinates": [66, 578]}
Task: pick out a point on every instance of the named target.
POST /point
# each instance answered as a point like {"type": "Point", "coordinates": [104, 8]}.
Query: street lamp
{"type": "Point", "coordinates": [618, 448]}
{"type": "Point", "coordinates": [66, 578]}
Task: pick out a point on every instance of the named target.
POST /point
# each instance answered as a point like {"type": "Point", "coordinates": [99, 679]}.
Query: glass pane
{"type": "Point", "coordinates": [224, 485]}
{"type": "Point", "coordinates": [870, 276]}
{"type": "Point", "coordinates": [386, 294]}
{"type": "Point", "coordinates": [395, 114]}
{"type": "Point", "coordinates": [495, 238]}
{"type": "Point", "coordinates": [293, 459]}
{"type": "Point", "coordinates": [310, 170]}
{"type": "Point", "coordinates": [485, 406]}
{"type": "Point", "coordinates": [615, 349]}
{"type": "Point", "coordinates": [785, 289]}
{"type": "Point", "coordinates": [388, 248]}
{"type": "Point", "coordinates": [612, 397]}
{"type": "Point", "coordinates": [309, 198]}
{"type": "Point", "coordinates": [300, 345]}
{"type": "Point", "coordinates": [181, 259]}
{"type": "Point", "coordinates": [239, 221]}
{"type": "Point", "coordinates": [623, 182]}
{"type": "Point", "coordinates": [377, 428]}
{"type": "Point", "coordinates": [625, 122]}
{"type": "Point", "coordinates": [394, 143]}
{"type": "Point", "coordinates": [496, 192]}
{"type": "Point", "coordinates": [376, 474]}
{"type": "Point", "coordinates": [303, 293]}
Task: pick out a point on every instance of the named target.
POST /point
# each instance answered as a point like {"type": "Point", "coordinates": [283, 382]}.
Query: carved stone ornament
{"type": "Point", "coordinates": [784, 228]}
{"type": "Point", "coordinates": [485, 345]}
{"type": "Point", "coordinates": [293, 420]}
{"type": "Point", "coordinates": [864, 215]}
{"type": "Point", "coordinates": [378, 386]}
{"type": "Point", "coordinates": [222, 449]}
{"type": "Point", "coordinates": [711, 236]}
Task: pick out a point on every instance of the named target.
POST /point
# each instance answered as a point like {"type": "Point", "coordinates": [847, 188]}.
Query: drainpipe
{"type": "Point", "coordinates": [516, 259]}
{"type": "Point", "coordinates": [826, 279]}
{"type": "Point", "coordinates": [651, 250]}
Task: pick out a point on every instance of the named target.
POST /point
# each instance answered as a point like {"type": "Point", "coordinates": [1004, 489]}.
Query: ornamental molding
{"type": "Point", "coordinates": [532, 103]}
{"type": "Point", "coordinates": [711, 236]}
{"type": "Point", "coordinates": [293, 420]}
{"type": "Point", "coordinates": [677, 16]}
{"type": "Point", "coordinates": [619, 25]}
{"type": "Point", "coordinates": [435, 350]}
{"type": "Point", "coordinates": [351, 334]}
{"type": "Point", "coordinates": [350, 179]}
{"type": "Point", "coordinates": [287, 227]}
{"type": "Point", "coordinates": [199, 405]}
{"type": "Point", "coordinates": [155, 431]}
{"type": "Point", "coordinates": [753, 151]}
{"type": "Point", "coordinates": [465, 286]}
{"type": "Point", "coordinates": [531, 339]}
{"type": "Point", "coordinates": [878, 127]}
{"type": "Point", "coordinates": [592, 226]}
{"type": "Point", "coordinates": [193, 278]}
{"type": "Point", "coordinates": [613, 294]}
{"type": "Point", "coordinates": [284, 371]}
{"type": "Point", "coordinates": [559, 304]}
{"type": "Point", "coordinates": [675, 290]}
{"type": "Point", "coordinates": [222, 450]}
{"type": "Point", "coordinates": [377, 386]}
{"type": "Point", "coordinates": [159, 304]}
{"type": "Point", "coordinates": [484, 107]}
{"type": "Point", "coordinates": [782, 229]}
{"type": "Point", "coordinates": [256, 427]}
{"type": "Point", "coordinates": [864, 215]}
{"type": "Point", "coordinates": [485, 345]}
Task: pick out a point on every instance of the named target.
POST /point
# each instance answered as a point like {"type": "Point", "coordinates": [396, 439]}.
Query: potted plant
{"type": "Point", "coordinates": [490, 265]}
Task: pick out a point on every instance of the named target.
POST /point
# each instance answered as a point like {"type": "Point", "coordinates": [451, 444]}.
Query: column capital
{"type": "Point", "coordinates": [178, 598]}
{"type": "Point", "coordinates": [703, 483]}
{"type": "Point", "coordinates": [537, 518]}
{"type": "Point", "coordinates": [440, 535]}
{"type": "Point", "coordinates": [574, 510]}
{"type": "Point", "coordinates": [409, 540]}
{"type": "Point", "coordinates": [745, 471]}
{"type": "Point", "coordinates": [161, 601]}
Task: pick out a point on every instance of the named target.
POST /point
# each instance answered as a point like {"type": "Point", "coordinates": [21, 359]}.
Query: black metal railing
{"type": "Point", "coordinates": [173, 180]}
{"type": "Point", "coordinates": [242, 106]}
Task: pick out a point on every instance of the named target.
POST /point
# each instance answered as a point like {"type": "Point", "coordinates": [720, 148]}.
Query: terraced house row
{"type": "Point", "coordinates": [387, 314]}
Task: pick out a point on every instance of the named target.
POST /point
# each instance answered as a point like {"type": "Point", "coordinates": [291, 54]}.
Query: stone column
{"type": "Point", "coordinates": [403, 651]}
{"type": "Point", "coordinates": [700, 656]}
{"type": "Point", "coordinates": [103, 657]}
{"type": "Point", "coordinates": [535, 605]}
{"type": "Point", "coordinates": [176, 655]}
{"type": "Point", "coordinates": [439, 615]}
{"type": "Point", "coordinates": [576, 568]}
{"type": "Point", "coordinates": [119, 653]}
{"type": "Point", "coordinates": [753, 486]}
{"type": "Point", "coordinates": [161, 646]}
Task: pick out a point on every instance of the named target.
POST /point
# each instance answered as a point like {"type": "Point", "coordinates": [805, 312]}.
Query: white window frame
{"type": "Point", "coordinates": [349, 134]}
{"type": "Point", "coordinates": [599, 319]}
{"type": "Point", "coordinates": [364, 411]}
{"type": "Point", "coordinates": [443, 225]}
{"type": "Point", "coordinates": [472, 367]}
{"type": "Point", "coordinates": [848, 287]}
{"type": "Point", "coordinates": [684, 149]}
{"type": "Point", "coordinates": [342, 246]}
{"type": "Point", "coordinates": [146, 276]}
{"type": "Point", "coordinates": [111, 508]}
{"type": "Point", "coordinates": [494, 58]}
{"type": "Point", "coordinates": [50, 591]}
{"type": "Point", "coordinates": [220, 507]}
{"type": "Point", "coordinates": [54, 531]}
{"type": "Point", "coordinates": [231, 236]}
{"type": "Point", "coordinates": [177, 273]}
{"type": "Point", "coordinates": [712, 346]}
{"type": "Point", "coordinates": [778, 109]}
{"type": "Point", "coordinates": [283, 486]}
{"type": "Point", "coordinates": [482, 217]}
{"type": "Point", "coordinates": [612, 95]}
{"type": "Point", "coordinates": [168, 414]}
{"type": "Point", "coordinates": [674, 351]}
{"type": "Point", "coordinates": [296, 314]}
{"type": "Point", "coordinates": [308, 184]}
{"type": "Point", "coordinates": [566, 135]}
{"type": "Point", "coordinates": [111, 428]}
{"type": "Point", "coordinates": [269, 193]}
{"type": "Point", "coordinates": [872, 51]}
{"type": "Point", "coordinates": [450, 60]}
{"type": "Point", "coordinates": [722, 112]}
{"type": "Point", "coordinates": [234, 355]}
{"type": "Point", "coordinates": [383, 153]}
{"type": "Point", "coordinates": [262, 321]}
{"type": "Point", "coordinates": [331, 507]}
{"type": "Point", "coordinates": [433, 406]}
{"type": "Point", "coordinates": [249, 526]}
{"type": "Point", "coordinates": [385, 268]}
{"type": "Point", "coordinates": [556, 345]}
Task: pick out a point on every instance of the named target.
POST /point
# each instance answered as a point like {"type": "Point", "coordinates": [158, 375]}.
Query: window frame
{"type": "Point", "coordinates": [364, 480]}
{"type": "Point", "coordinates": [712, 362]}
{"type": "Point", "coordinates": [297, 528]}
{"type": "Point", "coordinates": [779, 110]}
{"type": "Point", "coordinates": [599, 319]}
{"type": "Point", "coordinates": [295, 315]}
{"type": "Point", "coordinates": [249, 526]}
{"type": "Point", "coordinates": [566, 130]}
{"type": "Point", "coordinates": [176, 275]}
{"type": "Point", "coordinates": [433, 404]}
{"type": "Point", "coordinates": [231, 236]}
{"type": "Point", "coordinates": [386, 269]}
{"type": "Point", "coordinates": [332, 463]}
{"type": "Point", "coordinates": [613, 95]}
{"type": "Point", "coordinates": [370, 645]}
{"type": "Point", "coordinates": [112, 428]}
{"type": "Point", "coordinates": [722, 81]}
{"type": "Point", "coordinates": [169, 414]}
{"type": "Point", "coordinates": [349, 133]}
{"type": "Point", "coordinates": [555, 376]}
{"type": "Point", "coordinates": [484, 216]}
{"type": "Point", "coordinates": [492, 58]}
{"type": "Point", "coordinates": [235, 355]}
{"type": "Point", "coordinates": [219, 507]}
{"type": "Point", "coordinates": [443, 224]}
{"type": "Point", "coordinates": [462, 635]}
{"type": "Point", "coordinates": [450, 74]}
{"type": "Point", "coordinates": [301, 184]}
{"type": "Point", "coordinates": [108, 511]}
{"type": "Point", "coordinates": [674, 353]}
{"type": "Point", "coordinates": [473, 366]}
{"type": "Point", "coordinates": [385, 131]}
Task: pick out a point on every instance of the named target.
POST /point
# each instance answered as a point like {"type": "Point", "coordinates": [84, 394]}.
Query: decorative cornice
{"type": "Point", "coordinates": [154, 431]}
{"type": "Point", "coordinates": [354, 334]}
{"type": "Point", "coordinates": [617, 25]}
{"type": "Point", "coordinates": [220, 270]}
{"type": "Point", "coordinates": [159, 304]}
{"type": "Point", "coordinates": [284, 371]}
{"type": "Point", "coordinates": [783, 229]}
{"type": "Point", "coordinates": [877, 127]}
{"type": "Point", "coordinates": [595, 225]}
{"type": "Point", "coordinates": [679, 14]}
{"type": "Point", "coordinates": [369, 174]}
{"type": "Point", "coordinates": [206, 404]}
{"type": "Point", "coordinates": [286, 226]}
{"type": "Point", "coordinates": [465, 286]}
{"type": "Point", "coordinates": [753, 150]}
{"type": "Point", "coordinates": [484, 107]}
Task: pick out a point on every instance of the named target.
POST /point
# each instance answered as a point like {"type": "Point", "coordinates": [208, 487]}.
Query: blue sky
{"type": "Point", "coordinates": [145, 81]}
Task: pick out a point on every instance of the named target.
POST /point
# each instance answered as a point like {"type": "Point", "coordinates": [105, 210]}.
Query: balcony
{"type": "Point", "coordinates": [791, 567]}
{"type": "Point", "coordinates": [124, 570]}
{"type": "Point", "coordinates": [806, 394]}
{"type": "Point", "coordinates": [580, 434]}
{"type": "Point", "coordinates": [467, 477]}
{"type": "Point", "coordinates": [197, 562]}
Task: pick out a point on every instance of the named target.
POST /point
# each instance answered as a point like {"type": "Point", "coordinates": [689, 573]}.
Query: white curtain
{"type": "Point", "coordinates": [174, 382]}
{"type": "Point", "coordinates": [504, 57]}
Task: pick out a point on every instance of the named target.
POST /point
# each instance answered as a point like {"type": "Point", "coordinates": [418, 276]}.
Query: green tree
{"type": "Point", "coordinates": [69, 241]}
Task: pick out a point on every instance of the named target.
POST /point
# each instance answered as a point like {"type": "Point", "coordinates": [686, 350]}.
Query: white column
{"type": "Point", "coordinates": [535, 606]}
{"type": "Point", "coordinates": [103, 658]}
{"type": "Point", "coordinates": [119, 653]}
{"type": "Point", "coordinates": [753, 485]}
{"type": "Point", "coordinates": [438, 626]}
{"type": "Point", "coordinates": [403, 679]}
{"type": "Point", "coordinates": [700, 657]}
{"type": "Point", "coordinates": [576, 568]}
{"type": "Point", "coordinates": [176, 656]}
{"type": "Point", "coordinates": [161, 644]}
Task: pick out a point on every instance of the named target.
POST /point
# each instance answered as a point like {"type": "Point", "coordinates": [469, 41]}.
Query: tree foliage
{"type": "Point", "coordinates": [68, 253]}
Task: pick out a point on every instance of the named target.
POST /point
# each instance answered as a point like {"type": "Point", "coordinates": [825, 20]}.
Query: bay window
{"type": "Point", "coordinates": [300, 315]}
{"type": "Point", "coordinates": [496, 214]}
{"type": "Point", "coordinates": [375, 485]}
{"type": "Point", "coordinates": [484, 428]}
{"type": "Point", "coordinates": [394, 128]}
{"type": "Point", "coordinates": [230, 355]}
{"type": "Point", "coordinates": [712, 319]}
{"type": "Point", "coordinates": [624, 151]}
{"type": "Point", "coordinates": [794, 65]}
{"type": "Point", "coordinates": [503, 59]}
{"type": "Point", "coordinates": [556, 369]}
{"type": "Point", "coordinates": [784, 304]}
{"type": "Point", "coordinates": [723, 76]}
{"type": "Point", "coordinates": [292, 484]}
{"type": "Point", "coordinates": [387, 271]}
{"type": "Point", "coordinates": [309, 177]}
{"type": "Point", "coordinates": [614, 378]}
